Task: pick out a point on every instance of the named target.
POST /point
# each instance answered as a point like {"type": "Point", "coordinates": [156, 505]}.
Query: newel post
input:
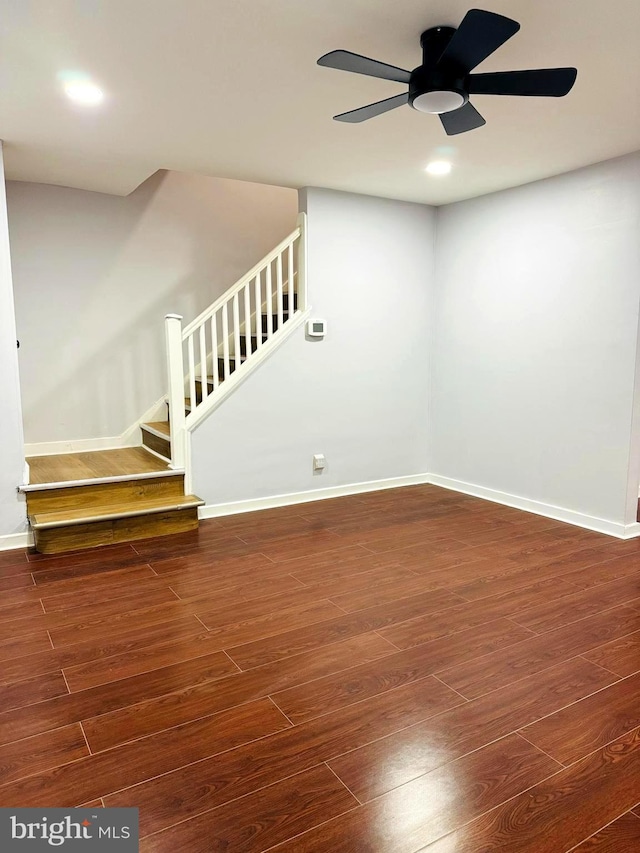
{"type": "Point", "coordinates": [302, 262]}
{"type": "Point", "coordinates": [175, 376]}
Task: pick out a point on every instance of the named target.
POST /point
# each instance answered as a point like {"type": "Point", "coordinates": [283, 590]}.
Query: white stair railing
{"type": "Point", "coordinates": [217, 349]}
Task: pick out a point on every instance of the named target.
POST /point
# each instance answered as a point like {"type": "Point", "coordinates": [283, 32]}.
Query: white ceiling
{"type": "Point", "coordinates": [231, 88]}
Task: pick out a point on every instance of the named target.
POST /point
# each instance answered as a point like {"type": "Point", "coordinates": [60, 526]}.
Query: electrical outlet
{"type": "Point", "coordinates": [318, 461]}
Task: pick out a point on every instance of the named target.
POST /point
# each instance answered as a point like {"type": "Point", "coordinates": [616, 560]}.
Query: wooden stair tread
{"type": "Point", "coordinates": [161, 427]}
{"type": "Point", "coordinates": [93, 465]}
{"type": "Point", "coordinates": [140, 506]}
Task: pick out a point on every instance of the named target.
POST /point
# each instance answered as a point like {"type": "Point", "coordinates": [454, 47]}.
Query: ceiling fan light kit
{"type": "Point", "coordinates": [443, 83]}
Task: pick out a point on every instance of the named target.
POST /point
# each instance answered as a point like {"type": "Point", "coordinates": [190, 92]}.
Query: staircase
{"type": "Point", "coordinates": [81, 500]}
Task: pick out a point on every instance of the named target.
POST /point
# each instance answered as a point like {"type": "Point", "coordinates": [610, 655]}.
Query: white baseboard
{"type": "Point", "coordinates": [600, 525]}
{"type": "Point", "coordinates": [129, 438]}
{"type": "Point", "coordinates": [631, 531]}
{"type": "Point", "coordinates": [216, 510]}
{"type": "Point", "coordinates": [16, 540]}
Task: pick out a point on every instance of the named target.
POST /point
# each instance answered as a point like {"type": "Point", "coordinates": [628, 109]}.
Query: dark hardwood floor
{"type": "Point", "coordinates": [392, 672]}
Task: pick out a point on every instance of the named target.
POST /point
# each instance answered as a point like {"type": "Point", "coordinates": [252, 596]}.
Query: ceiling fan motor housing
{"type": "Point", "coordinates": [432, 89]}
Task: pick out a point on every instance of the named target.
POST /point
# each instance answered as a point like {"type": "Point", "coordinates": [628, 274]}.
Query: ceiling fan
{"type": "Point", "coordinates": [443, 83]}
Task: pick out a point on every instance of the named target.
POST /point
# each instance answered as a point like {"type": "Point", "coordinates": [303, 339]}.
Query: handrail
{"type": "Point", "coordinates": [237, 287]}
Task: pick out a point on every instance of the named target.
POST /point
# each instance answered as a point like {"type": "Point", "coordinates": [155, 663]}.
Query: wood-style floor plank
{"type": "Point", "coordinates": [8, 570]}
{"type": "Point", "coordinates": [28, 644]}
{"type": "Point", "coordinates": [603, 571]}
{"type": "Point", "coordinates": [376, 594]}
{"type": "Point", "coordinates": [335, 691]}
{"type": "Point", "coordinates": [17, 694]}
{"type": "Point", "coordinates": [71, 633]}
{"type": "Point", "coordinates": [46, 574]}
{"type": "Point", "coordinates": [261, 819]}
{"type": "Point", "coordinates": [118, 608]}
{"type": "Point", "coordinates": [621, 656]}
{"type": "Point", "coordinates": [20, 610]}
{"type": "Point", "coordinates": [425, 809]}
{"type": "Point", "coordinates": [621, 835]}
{"type": "Point", "coordinates": [64, 609]}
{"type": "Point", "coordinates": [553, 614]}
{"type": "Point", "coordinates": [96, 775]}
{"type": "Point", "coordinates": [569, 734]}
{"type": "Point", "coordinates": [274, 622]}
{"type": "Point", "coordinates": [225, 593]}
{"type": "Point", "coordinates": [92, 584]}
{"type": "Point", "coordinates": [189, 703]}
{"type": "Point", "coordinates": [174, 631]}
{"type": "Point", "coordinates": [392, 576]}
{"type": "Point", "coordinates": [239, 611]}
{"type": "Point", "coordinates": [344, 561]}
{"type": "Point", "coordinates": [332, 630]}
{"type": "Point", "coordinates": [17, 557]}
{"type": "Point", "coordinates": [39, 753]}
{"type": "Point", "coordinates": [413, 632]}
{"type": "Point", "coordinates": [114, 553]}
{"type": "Point", "coordinates": [104, 670]}
{"type": "Point", "coordinates": [520, 575]}
{"type": "Point", "coordinates": [245, 684]}
{"type": "Point", "coordinates": [208, 564]}
{"type": "Point", "coordinates": [558, 813]}
{"type": "Point", "coordinates": [505, 666]}
{"type": "Point", "coordinates": [374, 769]}
{"type": "Point", "coordinates": [16, 584]}
{"type": "Point", "coordinates": [289, 548]}
{"type": "Point", "coordinates": [75, 707]}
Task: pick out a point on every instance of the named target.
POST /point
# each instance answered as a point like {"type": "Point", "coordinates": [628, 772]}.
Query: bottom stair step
{"type": "Point", "coordinates": [145, 506]}
{"type": "Point", "coordinates": [75, 529]}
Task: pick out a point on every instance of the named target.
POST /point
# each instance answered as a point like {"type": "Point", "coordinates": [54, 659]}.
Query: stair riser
{"type": "Point", "coordinates": [265, 320]}
{"type": "Point", "coordinates": [285, 301]}
{"type": "Point", "coordinates": [254, 344]}
{"type": "Point", "coordinates": [103, 494]}
{"type": "Point", "coordinates": [77, 537]}
{"type": "Point", "coordinates": [157, 444]}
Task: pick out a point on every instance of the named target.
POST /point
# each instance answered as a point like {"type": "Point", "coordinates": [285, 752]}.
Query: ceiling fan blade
{"type": "Point", "coordinates": [372, 110]}
{"type": "Point", "coordinates": [546, 82]}
{"type": "Point", "coordinates": [479, 34]}
{"type": "Point", "coordinates": [344, 60]}
{"type": "Point", "coordinates": [461, 120]}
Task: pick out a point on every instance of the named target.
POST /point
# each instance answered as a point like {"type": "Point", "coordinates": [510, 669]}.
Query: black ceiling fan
{"type": "Point", "coordinates": [443, 83]}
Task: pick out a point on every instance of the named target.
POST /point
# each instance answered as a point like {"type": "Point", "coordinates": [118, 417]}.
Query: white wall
{"type": "Point", "coordinates": [534, 354]}
{"type": "Point", "coordinates": [12, 506]}
{"type": "Point", "coordinates": [95, 274]}
{"type": "Point", "coordinates": [360, 395]}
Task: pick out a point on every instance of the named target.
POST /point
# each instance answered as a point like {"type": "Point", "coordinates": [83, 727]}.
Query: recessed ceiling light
{"type": "Point", "coordinates": [83, 92]}
{"type": "Point", "coordinates": [439, 167]}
